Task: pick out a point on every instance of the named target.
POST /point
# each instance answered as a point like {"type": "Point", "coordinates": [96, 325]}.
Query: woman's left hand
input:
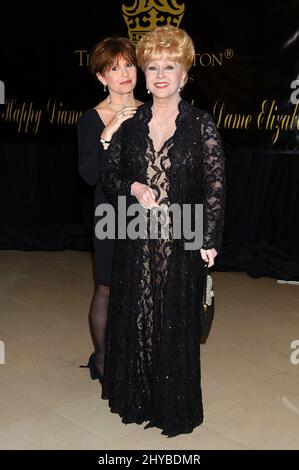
{"type": "Point", "coordinates": [208, 256]}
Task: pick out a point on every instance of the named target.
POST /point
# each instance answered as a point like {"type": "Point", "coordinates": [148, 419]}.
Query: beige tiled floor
{"type": "Point", "coordinates": [250, 387]}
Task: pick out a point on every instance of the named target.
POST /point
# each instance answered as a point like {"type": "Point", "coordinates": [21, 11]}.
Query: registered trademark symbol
{"type": "Point", "coordinates": [228, 53]}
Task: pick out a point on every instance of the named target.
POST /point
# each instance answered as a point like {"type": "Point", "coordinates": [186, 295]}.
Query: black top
{"type": "Point", "coordinates": [91, 152]}
{"type": "Point", "coordinates": [91, 158]}
{"type": "Point", "coordinates": [196, 173]}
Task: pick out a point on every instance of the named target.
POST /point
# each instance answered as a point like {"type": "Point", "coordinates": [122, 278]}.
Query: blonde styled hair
{"type": "Point", "coordinates": [175, 42]}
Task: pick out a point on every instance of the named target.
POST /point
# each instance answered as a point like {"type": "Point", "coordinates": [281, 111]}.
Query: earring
{"type": "Point", "coordinates": [105, 87]}
{"type": "Point", "coordinates": [148, 91]}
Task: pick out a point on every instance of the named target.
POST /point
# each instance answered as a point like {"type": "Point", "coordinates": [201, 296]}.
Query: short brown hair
{"type": "Point", "coordinates": [104, 54]}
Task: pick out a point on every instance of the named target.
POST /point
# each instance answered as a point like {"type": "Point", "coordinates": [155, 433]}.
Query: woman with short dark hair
{"type": "Point", "coordinates": [113, 63]}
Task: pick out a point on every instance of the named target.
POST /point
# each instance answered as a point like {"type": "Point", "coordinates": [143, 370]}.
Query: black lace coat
{"type": "Point", "coordinates": [152, 358]}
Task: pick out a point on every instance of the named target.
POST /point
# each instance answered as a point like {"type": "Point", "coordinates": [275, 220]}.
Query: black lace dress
{"type": "Point", "coordinates": [152, 359]}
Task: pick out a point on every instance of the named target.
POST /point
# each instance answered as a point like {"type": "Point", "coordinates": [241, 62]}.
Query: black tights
{"type": "Point", "coordinates": [97, 323]}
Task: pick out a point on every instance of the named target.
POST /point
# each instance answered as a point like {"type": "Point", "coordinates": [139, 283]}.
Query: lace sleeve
{"type": "Point", "coordinates": [213, 184]}
{"type": "Point", "coordinates": [113, 178]}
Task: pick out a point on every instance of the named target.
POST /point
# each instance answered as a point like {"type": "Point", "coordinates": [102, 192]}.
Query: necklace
{"type": "Point", "coordinates": [109, 101]}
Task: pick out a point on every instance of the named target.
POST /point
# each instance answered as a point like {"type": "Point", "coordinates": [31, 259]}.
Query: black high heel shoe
{"type": "Point", "coordinates": [93, 371]}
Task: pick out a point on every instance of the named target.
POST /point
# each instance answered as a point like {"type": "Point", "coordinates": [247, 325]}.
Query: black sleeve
{"type": "Point", "coordinates": [91, 151]}
{"type": "Point", "coordinates": [214, 183]}
{"type": "Point", "coordinates": [113, 180]}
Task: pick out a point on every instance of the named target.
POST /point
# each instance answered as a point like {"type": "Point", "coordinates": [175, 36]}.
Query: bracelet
{"type": "Point", "coordinates": [105, 141]}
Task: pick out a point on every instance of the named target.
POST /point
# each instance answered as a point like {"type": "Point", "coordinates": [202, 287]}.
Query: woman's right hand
{"type": "Point", "coordinates": [208, 256]}
{"type": "Point", "coordinates": [117, 120]}
{"type": "Point", "coordinates": [144, 194]}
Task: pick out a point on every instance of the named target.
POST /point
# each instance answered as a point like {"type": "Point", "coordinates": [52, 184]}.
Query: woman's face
{"type": "Point", "coordinates": [121, 78]}
{"type": "Point", "coordinates": [164, 77]}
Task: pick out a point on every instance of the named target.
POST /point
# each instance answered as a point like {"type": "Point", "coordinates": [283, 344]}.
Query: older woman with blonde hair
{"type": "Point", "coordinates": [169, 153]}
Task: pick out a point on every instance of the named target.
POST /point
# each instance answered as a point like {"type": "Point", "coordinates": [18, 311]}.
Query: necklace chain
{"type": "Point", "coordinates": [109, 101]}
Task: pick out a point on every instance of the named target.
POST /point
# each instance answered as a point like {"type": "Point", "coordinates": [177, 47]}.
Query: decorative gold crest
{"type": "Point", "coordinates": [146, 15]}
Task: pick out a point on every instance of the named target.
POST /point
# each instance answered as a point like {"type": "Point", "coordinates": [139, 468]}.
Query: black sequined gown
{"type": "Point", "coordinates": [152, 360]}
